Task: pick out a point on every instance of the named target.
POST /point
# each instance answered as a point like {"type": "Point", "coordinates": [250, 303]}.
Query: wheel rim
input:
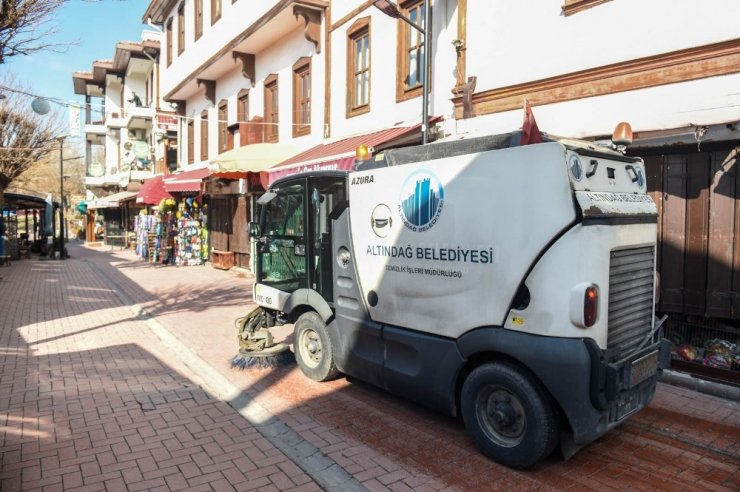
{"type": "Point", "coordinates": [501, 415]}
{"type": "Point", "coordinates": [310, 348]}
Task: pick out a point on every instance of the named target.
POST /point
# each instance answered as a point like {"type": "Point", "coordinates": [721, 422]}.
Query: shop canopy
{"type": "Point", "coordinates": [111, 201]}
{"type": "Point", "coordinates": [185, 181]}
{"type": "Point", "coordinates": [253, 158]}
{"type": "Point", "coordinates": [19, 201]}
{"type": "Point", "coordinates": [340, 155]}
{"type": "Point", "coordinates": [152, 191]}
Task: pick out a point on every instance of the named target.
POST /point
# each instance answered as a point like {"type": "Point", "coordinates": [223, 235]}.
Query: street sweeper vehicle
{"type": "Point", "coordinates": [511, 285]}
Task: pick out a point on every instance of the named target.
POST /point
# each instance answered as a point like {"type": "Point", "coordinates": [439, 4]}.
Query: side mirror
{"type": "Point", "coordinates": [254, 230]}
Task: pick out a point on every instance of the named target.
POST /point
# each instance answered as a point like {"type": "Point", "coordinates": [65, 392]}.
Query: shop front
{"type": "Point", "coordinates": [189, 222]}
{"type": "Point", "coordinates": [238, 178]}
{"type": "Point", "coordinates": [112, 218]}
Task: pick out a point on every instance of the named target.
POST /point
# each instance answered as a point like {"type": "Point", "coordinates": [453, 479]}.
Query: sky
{"type": "Point", "coordinates": [95, 26]}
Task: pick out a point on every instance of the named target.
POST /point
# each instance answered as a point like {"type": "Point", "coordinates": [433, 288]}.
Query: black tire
{"type": "Point", "coordinates": [509, 415]}
{"type": "Point", "coordinates": [313, 349]}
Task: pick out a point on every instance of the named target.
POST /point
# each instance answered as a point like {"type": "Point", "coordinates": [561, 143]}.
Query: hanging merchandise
{"type": "Point", "coordinates": [189, 242]}
{"type": "Point", "coordinates": [145, 228]}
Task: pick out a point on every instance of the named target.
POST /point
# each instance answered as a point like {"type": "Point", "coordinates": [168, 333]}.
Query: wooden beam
{"type": "Point", "coordinates": [666, 68]}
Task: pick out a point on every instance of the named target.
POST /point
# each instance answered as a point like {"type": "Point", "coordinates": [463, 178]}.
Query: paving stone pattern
{"type": "Point", "coordinates": [90, 396]}
{"type": "Point", "coordinates": [91, 399]}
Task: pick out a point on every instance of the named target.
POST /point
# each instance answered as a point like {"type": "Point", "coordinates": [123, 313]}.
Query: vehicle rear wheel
{"type": "Point", "coordinates": [313, 349]}
{"type": "Point", "coordinates": [509, 415]}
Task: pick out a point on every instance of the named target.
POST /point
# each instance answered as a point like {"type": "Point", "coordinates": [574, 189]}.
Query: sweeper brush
{"type": "Point", "coordinates": [256, 346]}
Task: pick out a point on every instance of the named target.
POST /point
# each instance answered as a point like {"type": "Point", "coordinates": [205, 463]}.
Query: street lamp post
{"type": "Point", "coordinates": [391, 9]}
{"type": "Point", "coordinates": [61, 197]}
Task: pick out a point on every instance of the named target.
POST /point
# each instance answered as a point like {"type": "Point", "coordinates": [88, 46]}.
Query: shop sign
{"type": "Point", "coordinates": [167, 123]}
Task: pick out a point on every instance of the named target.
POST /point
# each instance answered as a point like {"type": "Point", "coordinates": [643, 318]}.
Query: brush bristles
{"type": "Point", "coordinates": [247, 361]}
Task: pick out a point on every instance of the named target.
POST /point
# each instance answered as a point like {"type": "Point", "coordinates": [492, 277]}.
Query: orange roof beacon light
{"type": "Point", "coordinates": [363, 153]}
{"type": "Point", "coordinates": [622, 136]}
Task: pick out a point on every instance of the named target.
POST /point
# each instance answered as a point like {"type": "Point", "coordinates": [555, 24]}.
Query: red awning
{"type": "Point", "coordinates": [152, 191]}
{"type": "Point", "coordinates": [338, 155]}
{"type": "Point", "coordinates": [185, 180]}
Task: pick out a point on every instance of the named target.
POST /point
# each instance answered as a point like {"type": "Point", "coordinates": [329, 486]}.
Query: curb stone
{"type": "Point", "coordinates": [688, 381]}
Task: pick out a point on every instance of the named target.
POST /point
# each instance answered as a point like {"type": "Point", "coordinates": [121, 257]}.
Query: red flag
{"type": "Point", "coordinates": [530, 133]}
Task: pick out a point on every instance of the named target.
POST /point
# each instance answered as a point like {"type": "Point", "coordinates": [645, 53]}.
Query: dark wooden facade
{"type": "Point", "coordinates": [227, 220]}
{"type": "Point", "coordinates": [696, 192]}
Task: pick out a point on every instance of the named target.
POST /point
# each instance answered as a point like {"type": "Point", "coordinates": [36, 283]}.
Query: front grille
{"type": "Point", "coordinates": [630, 300]}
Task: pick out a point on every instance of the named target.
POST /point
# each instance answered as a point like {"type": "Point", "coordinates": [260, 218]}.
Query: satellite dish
{"type": "Point", "coordinates": [40, 106]}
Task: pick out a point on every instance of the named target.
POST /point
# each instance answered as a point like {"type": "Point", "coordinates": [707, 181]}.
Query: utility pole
{"type": "Point", "coordinates": [61, 198]}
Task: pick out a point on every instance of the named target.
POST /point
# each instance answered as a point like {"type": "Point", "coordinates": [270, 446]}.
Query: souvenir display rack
{"type": "Point", "coordinates": [189, 245]}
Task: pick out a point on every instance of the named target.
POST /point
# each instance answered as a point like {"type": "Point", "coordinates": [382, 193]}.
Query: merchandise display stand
{"type": "Point", "coordinates": [189, 243]}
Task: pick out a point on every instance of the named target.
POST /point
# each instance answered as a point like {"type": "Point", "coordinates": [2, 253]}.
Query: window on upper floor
{"type": "Point", "coordinates": [302, 97]}
{"type": "Point", "coordinates": [242, 106]}
{"type": "Point", "coordinates": [358, 67]}
{"type": "Point", "coordinates": [181, 29]}
{"type": "Point", "coordinates": [223, 137]}
{"type": "Point", "coordinates": [271, 108]}
{"type": "Point", "coordinates": [411, 48]}
{"type": "Point", "coordinates": [191, 141]}
{"type": "Point", "coordinates": [168, 29]}
{"type": "Point", "coordinates": [573, 6]}
{"type": "Point", "coordinates": [215, 11]}
{"type": "Point", "coordinates": [204, 136]}
{"type": "Point", "coordinates": [198, 18]}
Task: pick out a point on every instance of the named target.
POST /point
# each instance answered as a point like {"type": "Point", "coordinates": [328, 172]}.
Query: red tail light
{"type": "Point", "coordinates": [590, 305]}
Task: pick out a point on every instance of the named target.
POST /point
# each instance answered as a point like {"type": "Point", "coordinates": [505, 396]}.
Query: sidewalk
{"type": "Point", "coordinates": [116, 375]}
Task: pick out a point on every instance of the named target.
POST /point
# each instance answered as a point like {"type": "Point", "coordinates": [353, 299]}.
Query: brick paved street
{"type": "Point", "coordinates": [115, 375]}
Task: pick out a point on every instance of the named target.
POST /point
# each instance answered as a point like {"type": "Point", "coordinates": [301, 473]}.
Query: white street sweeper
{"type": "Point", "coordinates": [514, 286]}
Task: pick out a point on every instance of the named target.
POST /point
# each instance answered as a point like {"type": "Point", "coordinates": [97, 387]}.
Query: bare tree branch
{"type": "Point", "coordinates": [25, 137]}
{"type": "Point", "coordinates": [23, 27]}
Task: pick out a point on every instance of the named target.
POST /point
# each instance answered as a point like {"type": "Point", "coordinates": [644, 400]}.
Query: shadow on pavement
{"type": "Point", "coordinates": [378, 438]}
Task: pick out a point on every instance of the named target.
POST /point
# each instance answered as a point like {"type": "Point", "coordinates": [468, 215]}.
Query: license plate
{"type": "Point", "coordinates": [627, 405]}
{"type": "Point", "coordinates": [643, 368]}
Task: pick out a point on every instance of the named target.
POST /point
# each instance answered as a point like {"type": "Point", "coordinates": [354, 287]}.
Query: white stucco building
{"type": "Point", "coordinates": [130, 132]}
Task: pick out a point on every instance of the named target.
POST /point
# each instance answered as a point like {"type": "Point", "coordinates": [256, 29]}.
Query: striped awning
{"type": "Point", "coordinates": [111, 201]}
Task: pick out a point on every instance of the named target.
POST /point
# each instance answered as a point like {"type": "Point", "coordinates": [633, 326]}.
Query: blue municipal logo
{"type": "Point", "coordinates": [421, 200]}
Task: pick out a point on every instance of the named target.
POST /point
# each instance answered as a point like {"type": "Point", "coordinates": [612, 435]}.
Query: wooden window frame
{"type": "Point", "coordinates": [223, 124]}
{"type": "Point", "coordinates": [204, 136]}
{"type": "Point", "coordinates": [242, 106]}
{"type": "Point", "coordinates": [216, 11]}
{"type": "Point", "coordinates": [572, 6]}
{"type": "Point", "coordinates": [198, 18]}
{"type": "Point", "coordinates": [181, 29]}
{"type": "Point", "coordinates": [272, 127]}
{"type": "Point", "coordinates": [403, 92]}
{"type": "Point", "coordinates": [168, 35]}
{"type": "Point", "coordinates": [301, 71]}
{"type": "Point", "coordinates": [359, 30]}
{"type": "Point", "coordinates": [191, 141]}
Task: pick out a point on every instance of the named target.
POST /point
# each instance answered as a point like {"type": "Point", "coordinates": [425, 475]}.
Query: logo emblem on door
{"type": "Point", "coordinates": [381, 220]}
{"type": "Point", "coordinates": [421, 201]}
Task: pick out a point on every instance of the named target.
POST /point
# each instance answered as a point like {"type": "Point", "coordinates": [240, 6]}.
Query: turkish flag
{"type": "Point", "coordinates": [530, 133]}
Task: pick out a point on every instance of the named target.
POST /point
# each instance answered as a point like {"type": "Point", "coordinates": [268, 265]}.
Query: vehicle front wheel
{"type": "Point", "coordinates": [509, 414]}
{"type": "Point", "coordinates": [313, 349]}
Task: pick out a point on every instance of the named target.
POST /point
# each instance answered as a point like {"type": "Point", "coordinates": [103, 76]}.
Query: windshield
{"type": "Point", "coordinates": [282, 258]}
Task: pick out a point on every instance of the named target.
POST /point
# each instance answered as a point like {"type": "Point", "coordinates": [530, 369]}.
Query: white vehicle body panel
{"type": "Point", "coordinates": [569, 263]}
{"type": "Point", "coordinates": [498, 211]}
